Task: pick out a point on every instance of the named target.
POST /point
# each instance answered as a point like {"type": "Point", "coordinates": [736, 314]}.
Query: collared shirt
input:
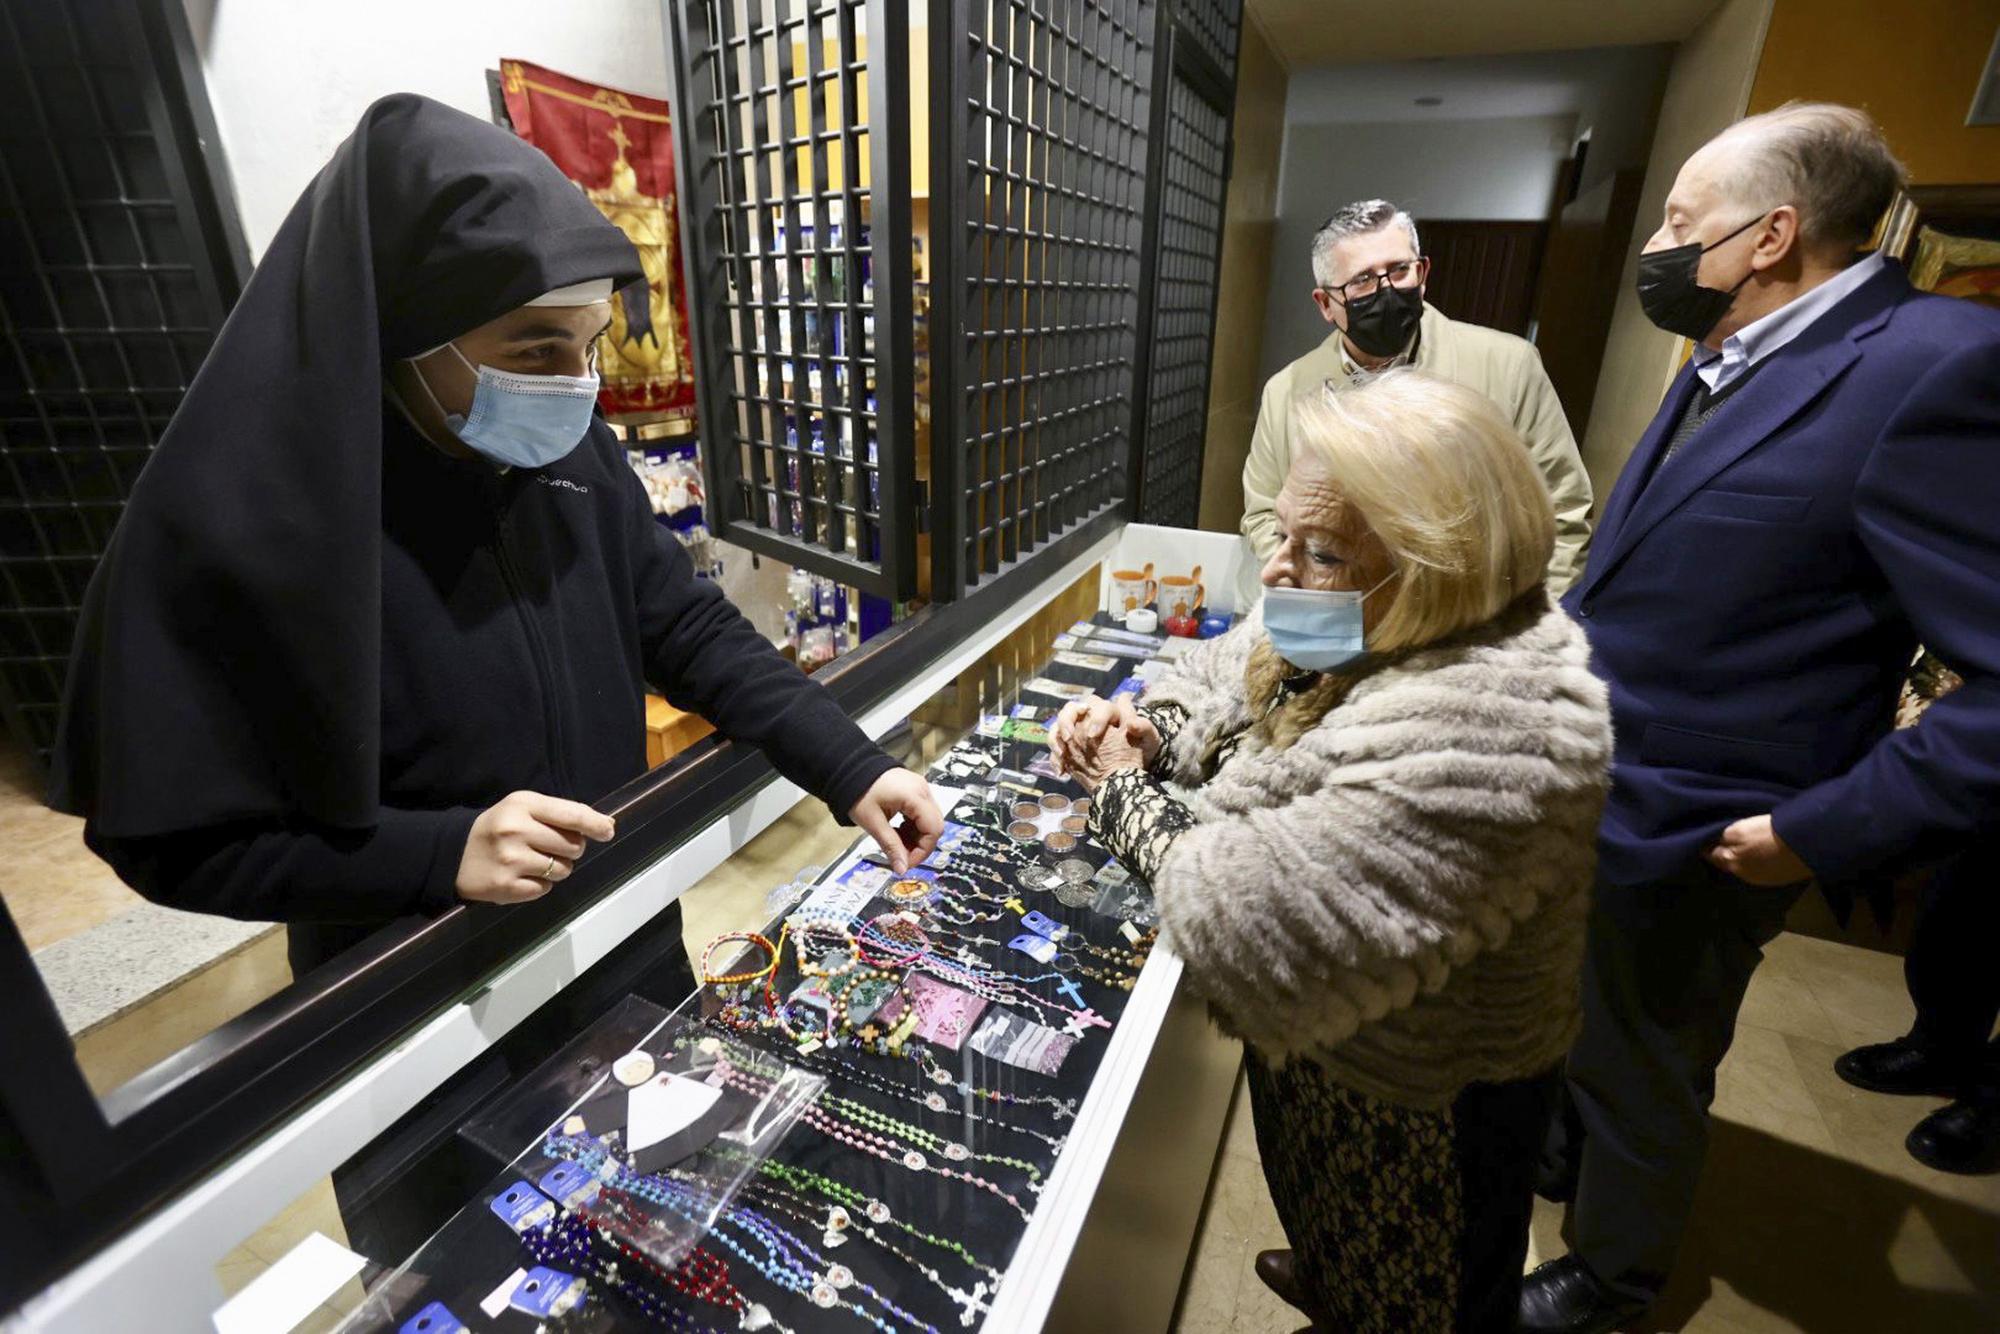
{"type": "Point", "coordinates": [1760, 338]}
{"type": "Point", "coordinates": [1355, 370]}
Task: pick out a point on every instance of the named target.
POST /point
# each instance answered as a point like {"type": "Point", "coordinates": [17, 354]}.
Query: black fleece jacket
{"type": "Point", "coordinates": [522, 615]}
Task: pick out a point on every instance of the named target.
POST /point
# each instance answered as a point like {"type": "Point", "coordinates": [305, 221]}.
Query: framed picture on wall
{"type": "Point", "coordinates": [1948, 237]}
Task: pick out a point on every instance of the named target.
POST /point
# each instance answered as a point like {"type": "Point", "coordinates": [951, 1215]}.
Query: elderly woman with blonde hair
{"type": "Point", "coordinates": [1369, 813]}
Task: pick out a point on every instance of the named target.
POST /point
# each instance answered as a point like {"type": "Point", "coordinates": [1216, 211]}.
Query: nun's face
{"type": "Point", "coordinates": [530, 340]}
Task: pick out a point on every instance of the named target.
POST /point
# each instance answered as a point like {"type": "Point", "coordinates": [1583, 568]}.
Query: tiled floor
{"type": "Point", "coordinates": [1811, 1217]}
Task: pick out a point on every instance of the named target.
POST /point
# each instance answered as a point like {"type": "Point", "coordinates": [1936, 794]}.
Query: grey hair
{"type": "Point", "coordinates": [1826, 160]}
{"type": "Point", "coordinates": [1357, 219]}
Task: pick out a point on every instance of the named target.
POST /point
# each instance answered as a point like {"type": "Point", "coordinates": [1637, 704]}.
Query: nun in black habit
{"type": "Point", "coordinates": [378, 618]}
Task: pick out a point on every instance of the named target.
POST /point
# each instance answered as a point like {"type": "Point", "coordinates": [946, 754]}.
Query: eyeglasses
{"type": "Point", "coordinates": [1403, 275]}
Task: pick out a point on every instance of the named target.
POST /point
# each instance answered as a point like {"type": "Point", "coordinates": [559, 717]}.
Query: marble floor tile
{"type": "Point", "coordinates": [1781, 1000]}
{"type": "Point", "coordinates": [1216, 1274]}
{"type": "Point", "coordinates": [1239, 1136]}
{"type": "Point", "coordinates": [1759, 1086]}
{"type": "Point", "coordinates": [1861, 991]}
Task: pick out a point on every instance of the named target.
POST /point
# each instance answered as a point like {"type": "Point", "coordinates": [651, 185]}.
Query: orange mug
{"type": "Point", "coordinates": [1182, 594]}
{"type": "Point", "coordinates": [1132, 589]}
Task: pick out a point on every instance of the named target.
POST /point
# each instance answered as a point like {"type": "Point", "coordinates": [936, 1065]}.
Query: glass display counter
{"type": "Point", "coordinates": [1100, 1121]}
{"type": "Point", "coordinates": [920, 1046]}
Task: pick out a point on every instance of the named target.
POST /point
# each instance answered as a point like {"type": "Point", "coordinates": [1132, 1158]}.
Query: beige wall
{"type": "Point", "coordinates": [1708, 88]}
{"type": "Point", "coordinates": [1249, 222]}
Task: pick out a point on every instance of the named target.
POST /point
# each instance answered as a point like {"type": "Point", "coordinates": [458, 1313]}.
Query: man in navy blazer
{"type": "Point", "coordinates": [1819, 492]}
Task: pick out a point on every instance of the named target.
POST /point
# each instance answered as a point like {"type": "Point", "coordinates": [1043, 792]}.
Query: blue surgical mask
{"type": "Point", "coordinates": [521, 421]}
{"type": "Point", "coordinates": [1314, 628]}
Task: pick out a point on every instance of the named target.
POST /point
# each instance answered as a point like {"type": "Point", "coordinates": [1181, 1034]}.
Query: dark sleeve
{"type": "Point", "coordinates": [1136, 819]}
{"type": "Point", "coordinates": [706, 657]}
{"type": "Point", "coordinates": [263, 871]}
{"type": "Point", "coordinates": [1167, 719]}
{"type": "Point", "coordinates": [1925, 507]}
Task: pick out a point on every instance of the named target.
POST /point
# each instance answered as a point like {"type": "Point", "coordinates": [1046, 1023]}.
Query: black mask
{"type": "Point", "coordinates": [1382, 322]}
{"type": "Point", "coordinates": [1671, 297]}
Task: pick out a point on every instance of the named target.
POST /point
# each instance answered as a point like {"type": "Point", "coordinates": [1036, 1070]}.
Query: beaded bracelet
{"type": "Point", "coordinates": [809, 969]}
{"type": "Point", "coordinates": [928, 1140]}
{"type": "Point", "coordinates": [838, 1221]}
{"type": "Point", "coordinates": [748, 938]}
{"type": "Point", "coordinates": [845, 1198]}
{"type": "Point", "coordinates": [559, 1247]}
{"type": "Point", "coordinates": [843, 998]}
{"type": "Point", "coordinates": [822, 1281]}
{"type": "Point", "coordinates": [878, 1145]}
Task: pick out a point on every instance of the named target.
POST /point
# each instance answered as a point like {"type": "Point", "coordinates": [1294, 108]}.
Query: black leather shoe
{"type": "Point", "coordinates": [1275, 1268]}
{"type": "Point", "coordinates": [1899, 1067]}
{"type": "Point", "coordinates": [1564, 1297]}
{"type": "Point", "coordinates": [1964, 1137]}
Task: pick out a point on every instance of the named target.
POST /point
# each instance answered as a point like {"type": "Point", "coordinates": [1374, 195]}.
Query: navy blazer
{"type": "Point", "coordinates": [1754, 607]}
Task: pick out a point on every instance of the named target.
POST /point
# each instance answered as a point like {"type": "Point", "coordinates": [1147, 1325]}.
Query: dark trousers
{"type": "Point", "coordinates": [1664, 974]}
{"type": "Point", "coordinates": [1951, 971]}
{"type": "Point", "coordinates": [1499, 1132]}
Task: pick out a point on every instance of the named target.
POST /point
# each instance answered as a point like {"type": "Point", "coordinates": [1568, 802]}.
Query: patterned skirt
{"type": "Point", "coordinates": [1401, 1221]}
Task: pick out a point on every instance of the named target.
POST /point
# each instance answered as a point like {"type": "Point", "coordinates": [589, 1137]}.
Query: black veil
{"type": "Point", "coordinates": [228, 661]}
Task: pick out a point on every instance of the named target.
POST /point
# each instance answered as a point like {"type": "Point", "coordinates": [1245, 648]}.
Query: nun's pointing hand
{"type": "Point", "coordinates": [523, 844]}
{"type": "Point", "coordinates": [900, 792]}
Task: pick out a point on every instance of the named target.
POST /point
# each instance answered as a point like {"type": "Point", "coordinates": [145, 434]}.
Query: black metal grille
{"type": "Point", "coordinates": [1190, 243]}
{"type": "Point", "coordinates": [795, 158]}
{"type": "Point", "coordinates": [1040, 155]}
{"type": "Point", "coordinates": [109, 297]}
{"type": "Point", "coordinates": [1215, 26]}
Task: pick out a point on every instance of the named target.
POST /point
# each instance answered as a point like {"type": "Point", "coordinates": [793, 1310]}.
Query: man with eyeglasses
{"type": "Point", "coordinates": [1368, 282]}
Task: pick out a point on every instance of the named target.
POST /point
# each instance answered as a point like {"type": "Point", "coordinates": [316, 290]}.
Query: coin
{"type": "Point", "coordinates": [1055, 801]}
{"type": "Point", "coordinates": [1027, 810]}
{"type": "Point", "coordinates": [1074, 895]}
{"type": "Point", "coordinates": [1022, 830]}
{"type": "Point", "coordinates": [1059, 841]}
{"type": "Point", "coordinates": [1075, 824]}
{"type": "Point", "coordinates": [1075, 870]}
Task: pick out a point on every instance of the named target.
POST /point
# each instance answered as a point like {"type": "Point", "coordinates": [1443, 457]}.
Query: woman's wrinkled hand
{"type": "Point", "coordinates": [1084, 726]}
{"type": "Point", "coordinates": [1115, 752]}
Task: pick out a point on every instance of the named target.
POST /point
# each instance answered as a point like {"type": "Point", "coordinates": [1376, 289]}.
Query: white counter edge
{"type": "Point", "coordinates": [161, 1274]}
{"type": "Point", "coordinates": [1035, 1273]}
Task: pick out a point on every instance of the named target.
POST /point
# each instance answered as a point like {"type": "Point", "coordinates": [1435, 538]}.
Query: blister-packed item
{"type": "Point", "coordinates": [646, 1124]}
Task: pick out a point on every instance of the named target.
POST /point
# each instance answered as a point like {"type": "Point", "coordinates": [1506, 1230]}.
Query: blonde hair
{"type": "Point", "coordinates": [1447, 485]}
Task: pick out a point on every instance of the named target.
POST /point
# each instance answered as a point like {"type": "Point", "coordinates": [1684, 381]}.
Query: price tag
{"type": "Point", "coordinates": [1039, 948]}
{"type": "Point", "coordinates": [546, 1293]}
{"type": "Point", "coordinates": [433, 1319]}
{"type": "Point", "coordinates": [522, 1207]}
{"type": "Point", "coordinates": [1044, 926]}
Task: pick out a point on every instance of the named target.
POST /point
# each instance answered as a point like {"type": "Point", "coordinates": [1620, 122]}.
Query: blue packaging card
{"type": "Point", "coordinates": [1044, 926]}
{"type": "Point", "coordinates": [1039, 948]}
{"type": "Point", "coordinates": [522, 1207]}
{"type": "Point", "coordinates": [569, 1185]}
{"type": "Point", "coordinates": [546, 1293]}
{"type": "Point", "coordinates": [433, 1319]}
{"type": "Point", "coordinates": [1131, 685]}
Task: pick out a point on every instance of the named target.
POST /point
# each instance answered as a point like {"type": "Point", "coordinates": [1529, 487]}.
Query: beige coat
{"type": "Point", "coordinates": [1506, 369]}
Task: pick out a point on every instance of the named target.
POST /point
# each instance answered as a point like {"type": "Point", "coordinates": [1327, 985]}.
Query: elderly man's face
{"type": "Point", "coordinates": [1324, 543]}
{"type": "Point", "coordinates": [1698, 210]}
{"type": "Point", "coordinates": [1372, 252]}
